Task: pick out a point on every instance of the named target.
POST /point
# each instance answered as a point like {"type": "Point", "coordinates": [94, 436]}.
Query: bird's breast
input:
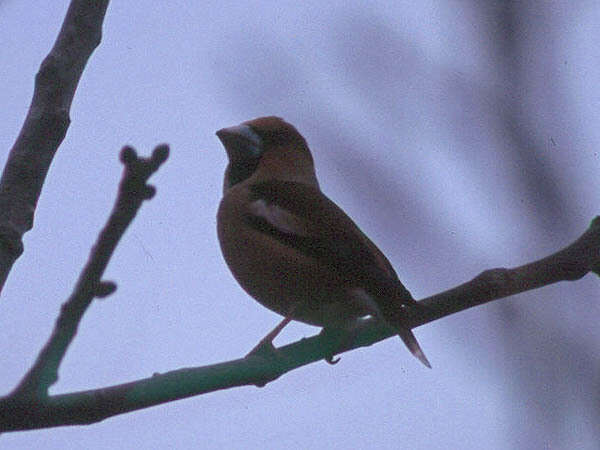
{"type": "Point", "coordinates": [278, 275]}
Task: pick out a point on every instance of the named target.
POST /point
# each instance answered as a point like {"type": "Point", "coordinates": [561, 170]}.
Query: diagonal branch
{"type": "Point", "coordinates": [45, 125]}
{"type": "Point", "coordinates": [133, 190]}
{"type": "Point", "coordinates": [571, 263]}
{"type": "Point", "coordinates": [21, 413]}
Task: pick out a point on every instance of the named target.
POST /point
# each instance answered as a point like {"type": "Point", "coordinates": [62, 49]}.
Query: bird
{"type": "Point", "coordinates": [293, 249]}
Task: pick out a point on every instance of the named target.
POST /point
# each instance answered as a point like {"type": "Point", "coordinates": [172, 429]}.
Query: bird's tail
{"type": "Point", "coordinates": [396, 308]}
{"type": "Point", "coordinates": [410, 341]}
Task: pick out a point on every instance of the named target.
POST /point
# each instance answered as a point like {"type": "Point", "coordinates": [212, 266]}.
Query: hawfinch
{"type": "Point", "coordinates": [292, 248]}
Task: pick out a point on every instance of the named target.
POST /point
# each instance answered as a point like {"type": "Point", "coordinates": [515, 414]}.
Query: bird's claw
{"type": "Point", "coordinates": [270, 355]}
{"type": "Point", "coordinates": [330, 359]}
{"type": "Point", "coordinates": [336, 338]}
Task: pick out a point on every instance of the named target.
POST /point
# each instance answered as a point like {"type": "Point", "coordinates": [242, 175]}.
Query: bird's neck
{"type": "Point", "coordinates": [298, 168]}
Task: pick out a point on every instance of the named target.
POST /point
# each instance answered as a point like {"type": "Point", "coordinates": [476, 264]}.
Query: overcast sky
{"type": "Point", "coordinates": [459, 135]}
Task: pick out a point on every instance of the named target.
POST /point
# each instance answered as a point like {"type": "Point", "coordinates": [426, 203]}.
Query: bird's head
{"type": "Point", "coordinates": [264, 148]}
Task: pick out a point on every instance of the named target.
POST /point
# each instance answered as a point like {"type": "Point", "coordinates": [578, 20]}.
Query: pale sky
{"type": "Point", "coordinates": [459, 135]}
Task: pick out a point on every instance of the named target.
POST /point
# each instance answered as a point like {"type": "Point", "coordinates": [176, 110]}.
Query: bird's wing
{"type": "Point", "coordinates": [302, 217]}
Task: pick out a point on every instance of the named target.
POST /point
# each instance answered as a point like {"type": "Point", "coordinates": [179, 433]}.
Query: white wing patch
{"type": "Point", "coordinates": [366, 301]}
{"type": "Point", "coordinates": [279, 218]}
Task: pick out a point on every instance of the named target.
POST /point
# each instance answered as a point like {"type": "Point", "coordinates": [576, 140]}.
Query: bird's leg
{"type": "Point", "coordinates": [266, 343]}
{"type": "Point", "coordinates": [268, 339]}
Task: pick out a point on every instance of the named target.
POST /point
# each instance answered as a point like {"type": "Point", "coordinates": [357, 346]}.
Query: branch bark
{"type": "Point", "coordinates": [45, 125]}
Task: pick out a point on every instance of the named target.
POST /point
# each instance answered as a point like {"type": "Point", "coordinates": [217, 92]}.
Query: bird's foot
{"type": "Point", "coordinates": [330, 359]}
{"type": "Point", "coordinates": [265, 349]}
{"type": "Point", "coordinates": [335, 340]}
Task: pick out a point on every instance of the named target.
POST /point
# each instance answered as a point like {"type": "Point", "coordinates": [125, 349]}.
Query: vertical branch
{"type": "Point", "coordinates": [45, 125]}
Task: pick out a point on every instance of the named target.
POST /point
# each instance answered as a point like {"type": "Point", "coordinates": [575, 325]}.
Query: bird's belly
{"type": "Point", "coordinates": [289, 283]}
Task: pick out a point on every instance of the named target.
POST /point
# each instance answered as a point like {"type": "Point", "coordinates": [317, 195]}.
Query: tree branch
{"type": "Point", "coordinates": [571, 263]}
{"type": "Point", "coordinates": [133, 190]}
{"type": "Point", "coordinates": [21, 413]}
{"type": "Point", "coordinates": [45, 125]}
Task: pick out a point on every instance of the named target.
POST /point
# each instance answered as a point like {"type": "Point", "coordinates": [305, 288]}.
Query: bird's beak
{"type": "Point", "coordinates": [241, 142]}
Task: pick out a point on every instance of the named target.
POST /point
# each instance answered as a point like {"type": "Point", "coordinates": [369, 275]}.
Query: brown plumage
{"type": "Point", "coordinates": [292, 248]}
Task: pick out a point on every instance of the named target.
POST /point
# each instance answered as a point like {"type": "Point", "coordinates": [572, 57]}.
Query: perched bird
{"type": "Point", "coordinates": [292, 248]}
